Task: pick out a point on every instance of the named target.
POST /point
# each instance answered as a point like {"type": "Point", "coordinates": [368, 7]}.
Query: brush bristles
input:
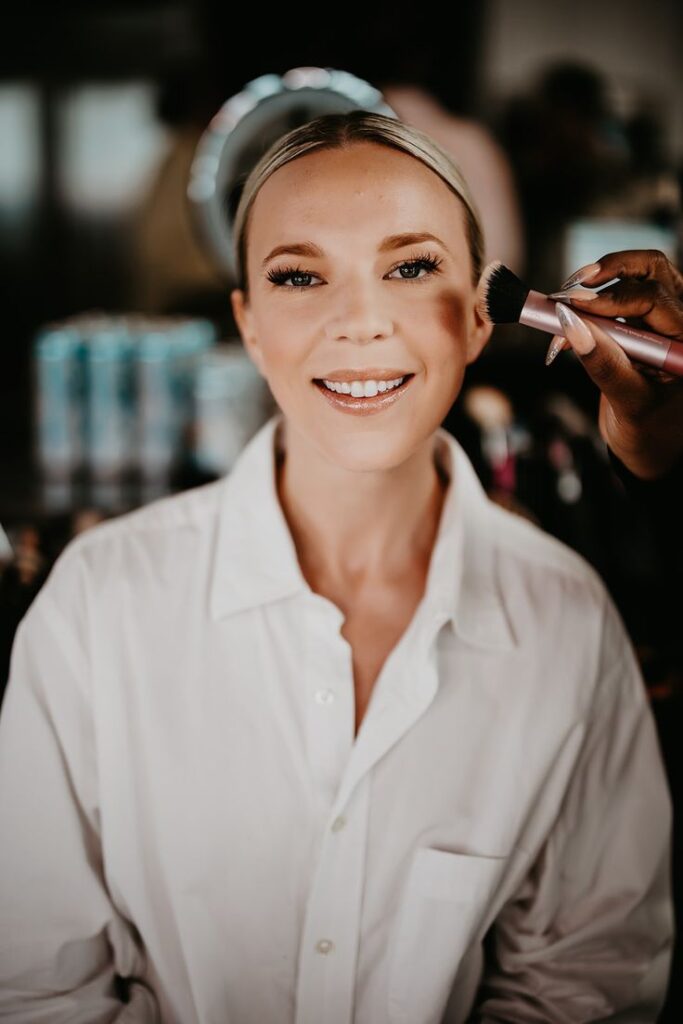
{"type": "Point", "coordinates": [501, 294]}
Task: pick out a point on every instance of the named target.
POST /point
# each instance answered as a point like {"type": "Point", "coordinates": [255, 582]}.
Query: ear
{"type": "Point", "coordinates": [479, 335]}
{"type": "Point", "coordinates": [245, 324]}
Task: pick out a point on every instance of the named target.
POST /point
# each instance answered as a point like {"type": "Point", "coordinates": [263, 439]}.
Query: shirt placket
{"type": "Point", "coordinates": [329, 943]}
{"type": "Point", "coordinates": [328, 954]}
{"type": "Point", "coordinates": [329, 948]}
{"type": "Point", "coordinates": [330, 701]}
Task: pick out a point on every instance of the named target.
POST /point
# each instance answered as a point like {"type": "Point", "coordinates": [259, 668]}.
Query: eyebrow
{"type": "Point", "coordinates": [387, 244]}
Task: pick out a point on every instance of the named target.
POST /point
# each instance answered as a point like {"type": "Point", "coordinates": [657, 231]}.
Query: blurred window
{"type": "Point", "coordinates": [587, 240]}
{"type": "Point", "coordinates": [110, 143]}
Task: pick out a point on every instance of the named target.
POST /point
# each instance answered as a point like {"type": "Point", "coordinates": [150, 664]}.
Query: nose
{"type": "Point", "coordinates": [359, 314]}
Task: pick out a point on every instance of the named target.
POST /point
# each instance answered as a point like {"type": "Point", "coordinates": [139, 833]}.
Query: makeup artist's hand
{"type": "Point", "coordinates": [641, 408]}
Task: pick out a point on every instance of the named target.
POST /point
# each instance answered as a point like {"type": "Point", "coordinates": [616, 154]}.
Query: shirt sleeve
{"type": "Point", "coordinates": [588, 936]}
{"type": "Point", "coordinates": [66, 954]}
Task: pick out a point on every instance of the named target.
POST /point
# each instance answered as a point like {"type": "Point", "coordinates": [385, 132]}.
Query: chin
{"type": "Point", "coordinates": [370, 443]}
{"type": "Point", "coordinates": [361, 447]}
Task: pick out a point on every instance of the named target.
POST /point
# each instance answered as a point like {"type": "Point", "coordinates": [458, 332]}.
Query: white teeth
{"type": "Point", "coordinates": [362, 388]}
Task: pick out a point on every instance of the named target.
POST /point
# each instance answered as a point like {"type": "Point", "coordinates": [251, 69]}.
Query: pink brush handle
{"type": "Point", "coordinates": [643, 346]}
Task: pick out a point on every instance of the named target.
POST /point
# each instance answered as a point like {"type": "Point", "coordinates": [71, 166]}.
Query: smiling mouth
{"type": "Point", "coordinates": [363, 404]}
{"type": "Point", "coordinates": [362, 389]}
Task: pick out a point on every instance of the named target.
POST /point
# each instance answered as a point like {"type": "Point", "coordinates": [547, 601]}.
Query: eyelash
{"type": "Point", "coordinates": [425, 261]}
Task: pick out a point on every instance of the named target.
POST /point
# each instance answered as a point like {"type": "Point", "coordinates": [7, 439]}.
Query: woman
{"type": "Point", "coordinates": [289, 746]}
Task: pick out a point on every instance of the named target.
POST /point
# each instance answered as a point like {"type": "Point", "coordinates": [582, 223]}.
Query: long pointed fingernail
{"type": "Point", "coordinates": [581, 275]}
{"type": "Point", "coordinates": [575, 330]}
{"type": "Point", "coordinates": [577, 292]}
{"type": "Point", "coordinates": [554, 349]}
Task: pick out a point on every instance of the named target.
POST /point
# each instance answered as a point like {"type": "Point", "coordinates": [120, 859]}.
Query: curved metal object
{"type": "Point", "coordinates": [247, 125]}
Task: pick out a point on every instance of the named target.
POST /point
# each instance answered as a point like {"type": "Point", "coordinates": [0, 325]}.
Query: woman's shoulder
{"type": "Point", "coordinates": [556, 601]}
{"type": "Point", "coordinates": [510, 534]}
{"type": "Point", "coordinates": [172, 512]}
{"type": "Point", "coordinates": [525, 546]}
{"type": "Point", "coordinates": [153, 535]}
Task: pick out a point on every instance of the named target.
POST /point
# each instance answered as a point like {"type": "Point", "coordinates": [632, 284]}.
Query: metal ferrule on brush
{"type": "Point", "coordinates": [539, 312]}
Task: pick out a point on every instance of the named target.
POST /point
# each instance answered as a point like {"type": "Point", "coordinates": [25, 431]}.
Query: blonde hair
{"type": "Point", "coordinates": [337, 131]}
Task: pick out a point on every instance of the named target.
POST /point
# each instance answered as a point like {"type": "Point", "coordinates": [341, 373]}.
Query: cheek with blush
{"type": "Point", "coordinates": [452, 329]}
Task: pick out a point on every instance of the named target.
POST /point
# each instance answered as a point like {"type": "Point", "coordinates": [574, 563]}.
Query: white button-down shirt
{"type": "Point", "coordinates": [183, 802]}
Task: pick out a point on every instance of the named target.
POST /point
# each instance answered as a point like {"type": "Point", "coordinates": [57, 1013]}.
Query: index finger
{"type": "Point", "coordinates": [645, 300]}
{"type": "Point", "coordinates": [643, 264]}
{"type": "Point", "coordinates": [646, 264]}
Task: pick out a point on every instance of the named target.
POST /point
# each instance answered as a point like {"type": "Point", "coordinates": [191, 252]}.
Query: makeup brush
{"type": "Point", "coordinates": [504, 299]}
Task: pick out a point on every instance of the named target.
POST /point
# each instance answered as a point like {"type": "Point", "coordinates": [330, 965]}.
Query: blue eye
{"type": "Point", "coordinates": [280, 277]}
{"type": "Point", "coordinates": [427, 263]}
{"type": "Point", "coordinates": [297, 279]}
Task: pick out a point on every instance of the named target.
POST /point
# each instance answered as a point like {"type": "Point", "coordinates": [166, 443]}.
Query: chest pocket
{"type": "Point", "coordinates": [442, 913]}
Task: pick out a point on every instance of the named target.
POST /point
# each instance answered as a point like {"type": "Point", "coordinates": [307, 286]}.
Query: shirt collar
{"type": "Point", "coordinates": [256, 561]}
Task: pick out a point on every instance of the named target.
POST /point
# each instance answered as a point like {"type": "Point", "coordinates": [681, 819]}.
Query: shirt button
{"type": "Point", "coordinates": [338, 823]}
{"type": "Point", "coordinates": [324, 946]}
{"type": "Point", "coordinates": [324, 696]}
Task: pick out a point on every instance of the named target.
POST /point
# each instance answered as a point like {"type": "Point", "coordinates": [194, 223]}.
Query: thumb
{"type": "Point", "coordinates": [604, 360]}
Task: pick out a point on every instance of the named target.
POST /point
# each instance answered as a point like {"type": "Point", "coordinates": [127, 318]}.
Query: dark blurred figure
{"type": "Point", "coordinates": [574, 156]}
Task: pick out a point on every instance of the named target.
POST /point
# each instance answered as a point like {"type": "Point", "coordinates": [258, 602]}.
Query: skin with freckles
{"type": "Point", "coordinates": [367, 478]}
{"type": "Point", "coordinates": [361, 494]}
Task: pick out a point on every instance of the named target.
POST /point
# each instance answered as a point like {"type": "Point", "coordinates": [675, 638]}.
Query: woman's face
{"type": "Point", "coordinates": [346, 285]}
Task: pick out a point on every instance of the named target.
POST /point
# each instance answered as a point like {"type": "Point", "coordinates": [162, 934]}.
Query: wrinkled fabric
{"type": "Point", "coordinates": [192, 834]}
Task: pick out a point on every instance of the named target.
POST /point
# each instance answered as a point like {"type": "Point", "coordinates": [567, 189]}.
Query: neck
{"type": "Point", "coordinates": [350, 528]}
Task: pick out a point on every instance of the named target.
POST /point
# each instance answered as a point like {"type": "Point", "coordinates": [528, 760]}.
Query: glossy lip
{"type": "Point", "coordinates": [341, 376]}
{"type": "Point", "coordinates": [364, 406]}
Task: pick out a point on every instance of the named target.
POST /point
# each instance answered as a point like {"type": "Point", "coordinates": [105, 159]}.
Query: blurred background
{"type": "Point", "coordinates": [121, 374]}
